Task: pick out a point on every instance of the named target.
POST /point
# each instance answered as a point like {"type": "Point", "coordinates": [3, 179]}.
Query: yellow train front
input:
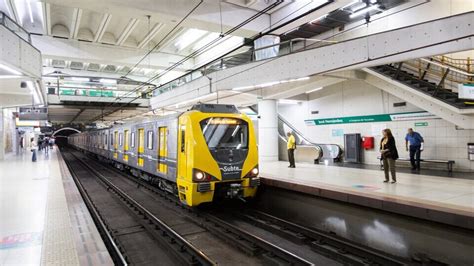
{"type": "Point", "coordinates": [202, 155]}
{"type": "Point", "coordinates": [217, 155]}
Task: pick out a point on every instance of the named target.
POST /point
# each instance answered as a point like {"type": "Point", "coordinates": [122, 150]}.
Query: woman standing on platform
{"type": "Point", "coordinates": [33, 147]}
{"type": "Point", "coordinates": [389, 154]}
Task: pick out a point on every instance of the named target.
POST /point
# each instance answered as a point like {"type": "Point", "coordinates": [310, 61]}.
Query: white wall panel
{"type": "Point", "coordinates": [19, 54]}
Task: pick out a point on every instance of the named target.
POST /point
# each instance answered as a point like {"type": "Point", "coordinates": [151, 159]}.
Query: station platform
{"type": "Point", "coordinates": [44, 220]}
{"type": "Point", "coordinates": [438, 199]}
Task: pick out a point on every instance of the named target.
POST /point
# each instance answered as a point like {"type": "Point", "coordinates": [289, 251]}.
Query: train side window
{"type": "Point", "coordinates": [132, 139]}
{"type": "Point", "coordinates": [111, 139]}
{"type": "Point", "coordinates": [105, 139]}
{"type": "Point", "coordinates": [183, 137]}
{"type": "Point", "coordinates": [149, 140]}
{"type": "Point", "coordinates": [120, 139]}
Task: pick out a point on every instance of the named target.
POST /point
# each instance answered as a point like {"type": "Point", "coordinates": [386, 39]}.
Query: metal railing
{"type": "Point", "coordinates": [444, 71]}
{"type": "Point", "coordinates": [14, 27]}
{"type": "Point", "coordinates": [244, 57]}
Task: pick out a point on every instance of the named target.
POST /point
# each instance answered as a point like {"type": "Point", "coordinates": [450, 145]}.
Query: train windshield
{"type": "Point", "coordinates": [225, 133]}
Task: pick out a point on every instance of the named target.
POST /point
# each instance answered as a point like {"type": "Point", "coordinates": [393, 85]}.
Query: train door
{"type": "Point", "coordinates": [141, 146]}
{"type": "Point", "coordinates": [125, 145]}
{"type": "Point", "coordinates": [182, 159]}
{"type": "Point", "coordinates": [162, 150]}
{"type": "Point", "coordinates": [116, 144]}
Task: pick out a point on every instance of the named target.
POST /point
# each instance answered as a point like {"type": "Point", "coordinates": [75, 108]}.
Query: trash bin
{"type": "Point", "coordinates": [470, 151]}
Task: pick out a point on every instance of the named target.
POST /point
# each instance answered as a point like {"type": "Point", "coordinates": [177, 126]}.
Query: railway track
{"type": "Point", "coordinates": [137, 236]}
{"type": "Point", "coordinates": [253, 250]}
{"type": "Point", "coordinates": [217, 222]}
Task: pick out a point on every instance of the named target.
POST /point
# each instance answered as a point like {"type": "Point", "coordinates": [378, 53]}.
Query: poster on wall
{"type": "Point", "coordinates": [371, 118]}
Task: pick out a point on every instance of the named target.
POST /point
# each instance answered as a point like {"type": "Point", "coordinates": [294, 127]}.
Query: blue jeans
{"type": "Point", "coordinates": [415, 155]}
{"type": "Point", "coordinates": [33, 157]}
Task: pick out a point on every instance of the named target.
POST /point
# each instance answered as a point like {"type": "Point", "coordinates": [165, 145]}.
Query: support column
{"type": "Point", "coordinates": [268, 130]}
{"type": "Point", "coordinates": [2, 135]}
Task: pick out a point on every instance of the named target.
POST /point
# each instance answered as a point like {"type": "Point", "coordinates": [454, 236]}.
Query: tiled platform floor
{"type": "Point", "coordinates": [449, 194]}
{"type": "Point", "coordinates": [38, 225]}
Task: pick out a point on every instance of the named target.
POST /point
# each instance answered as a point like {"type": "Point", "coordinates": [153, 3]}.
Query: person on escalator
{"type": "Point", "coordinates": [291, 146]}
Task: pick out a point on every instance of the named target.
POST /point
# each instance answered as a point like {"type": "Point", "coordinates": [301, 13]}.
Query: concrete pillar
{"type": "Point", "coordinates": [268, 130]}
{"type": "Point", "coordinates": [2, 135]}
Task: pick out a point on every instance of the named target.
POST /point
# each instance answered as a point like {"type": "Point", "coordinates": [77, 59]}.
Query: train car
{"type": "Point", "coordinates": [201, 155]}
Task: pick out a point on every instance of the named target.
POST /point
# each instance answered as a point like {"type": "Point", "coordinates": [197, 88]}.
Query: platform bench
{"type": "Point", "coordinates": [449, 163]}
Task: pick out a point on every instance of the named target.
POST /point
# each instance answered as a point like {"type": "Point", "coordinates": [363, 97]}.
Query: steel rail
{"type": "Point", "coordinates": [246, 241]}
{"type": "Point", "coordinates": [113, 249]}
{"type": "Point", "coordinates": [197, 256]}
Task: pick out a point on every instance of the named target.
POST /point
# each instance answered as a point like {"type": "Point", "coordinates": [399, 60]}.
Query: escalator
{"type": "Point", "coordinates": [306, 150]}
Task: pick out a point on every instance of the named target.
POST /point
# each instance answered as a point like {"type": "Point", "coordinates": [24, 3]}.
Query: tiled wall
{"type": "Point", "coordinates": [442, 139]}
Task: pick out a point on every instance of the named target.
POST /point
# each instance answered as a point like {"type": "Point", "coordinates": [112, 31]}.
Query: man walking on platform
{"type": "Point", "coordinates": [416, 147]}
{"type": "Point", "coordinates": [291, 146]}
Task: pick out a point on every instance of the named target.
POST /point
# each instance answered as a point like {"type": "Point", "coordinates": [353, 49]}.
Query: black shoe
{"type": "Point", "coordinates": [289, 166]}
{"type": "Point", "coordinates": [393, 182]}
{"type": "Point", "coordinates": [385, 181]}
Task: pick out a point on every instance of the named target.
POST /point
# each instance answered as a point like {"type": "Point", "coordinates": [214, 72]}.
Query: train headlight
{"type": "Point", "coordinates": [199, 175]}
{"type": "Point", "coordinates": [255, 171]}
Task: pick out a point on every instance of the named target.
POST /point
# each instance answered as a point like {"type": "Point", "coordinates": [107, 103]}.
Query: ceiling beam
{"type": "Point", "coordinates": [127, 31]}
{"type": "Point", "coordinates": [102, 27]}
{"type": "Point", "coordinates": [77, 115]}
{"type": "Point", "coordinates": [76, 22]}
{"type": "Point", "coordinates": [150, 35]}
{"type": "Point", "coordinates": [46, 9]}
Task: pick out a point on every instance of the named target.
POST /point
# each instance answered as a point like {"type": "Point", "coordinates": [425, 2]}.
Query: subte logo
{"type": "Point", "coordinates": [231, 168]}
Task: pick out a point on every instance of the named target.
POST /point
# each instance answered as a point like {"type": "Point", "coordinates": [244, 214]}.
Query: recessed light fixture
{"type": "Point", "coordinates": [313, 90]}
{"type": "Point", "coordinates": [363, 11]}
{"type": "Point", "coordinates": [269, 84]}
{"type": "Point", "coordinates": [9, 69]}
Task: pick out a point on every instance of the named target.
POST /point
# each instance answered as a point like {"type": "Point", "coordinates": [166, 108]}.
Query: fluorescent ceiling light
{"type": "Point", "coordinates": [348, 5]}
{"type": "Point", "coordinates": [9, 77]}
{"type": "Point", "coordinates": [269, 84]}
{"type": "Point", "coordinates": [286, 101]}
{"type": "Point", "coordinates": [313, 90]}
{"type": "Point", "coordinates": [358, 6]}
{"type": "Point", "coordinates": [30, 12]}
{"type": "Point", "coordinates": [373, 1]}
{"type": "Point", "coordinates": [108, 81]}
{"type": "Point", "coordinates": [188, 37]}
{"type": "Point", "coordinates": [318, 19]}
{"type": "Point", "coordinates": [363, 11]}
{"type": "Point", "coordinates": [9, 69]}
{"type": "Point", "coordinates": [206, 40]}
{"type": "Point", "coordinates": [79, 79]}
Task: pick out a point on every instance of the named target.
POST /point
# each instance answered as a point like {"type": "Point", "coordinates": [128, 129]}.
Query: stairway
{"type": "Point", "coordinates": [428, 87]}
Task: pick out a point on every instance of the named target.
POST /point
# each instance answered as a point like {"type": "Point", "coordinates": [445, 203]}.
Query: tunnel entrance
{"type": "Point", "coordinates": [62, 134]}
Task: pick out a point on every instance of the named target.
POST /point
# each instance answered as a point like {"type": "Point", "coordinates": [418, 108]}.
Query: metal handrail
{"type": "Point", "coordinates": [220, 62]}
{"type": "Point", "coordinates": [6, 21]}
{"type": "Point", "coordinates": [451, 69]}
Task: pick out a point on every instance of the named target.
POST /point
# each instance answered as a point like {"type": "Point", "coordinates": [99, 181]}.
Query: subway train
{"type": "Point", "coordinates": [202, 155]}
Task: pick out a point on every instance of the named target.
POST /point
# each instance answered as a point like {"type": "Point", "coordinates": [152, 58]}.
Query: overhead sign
{"type": "Point", "coordinates": [33, 113]}
{"type": "Point", "coordinates": [371, 118]}
{"type": "Point", "coordinates": [466, 91]}
{"type": "Point", "coordinates": [421, 124]}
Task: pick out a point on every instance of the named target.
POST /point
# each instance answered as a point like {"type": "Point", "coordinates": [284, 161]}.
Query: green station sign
{"type": "Point", "coordinates": [421, 124]}
{"type": "Point", "coordinates": [371, 118]}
